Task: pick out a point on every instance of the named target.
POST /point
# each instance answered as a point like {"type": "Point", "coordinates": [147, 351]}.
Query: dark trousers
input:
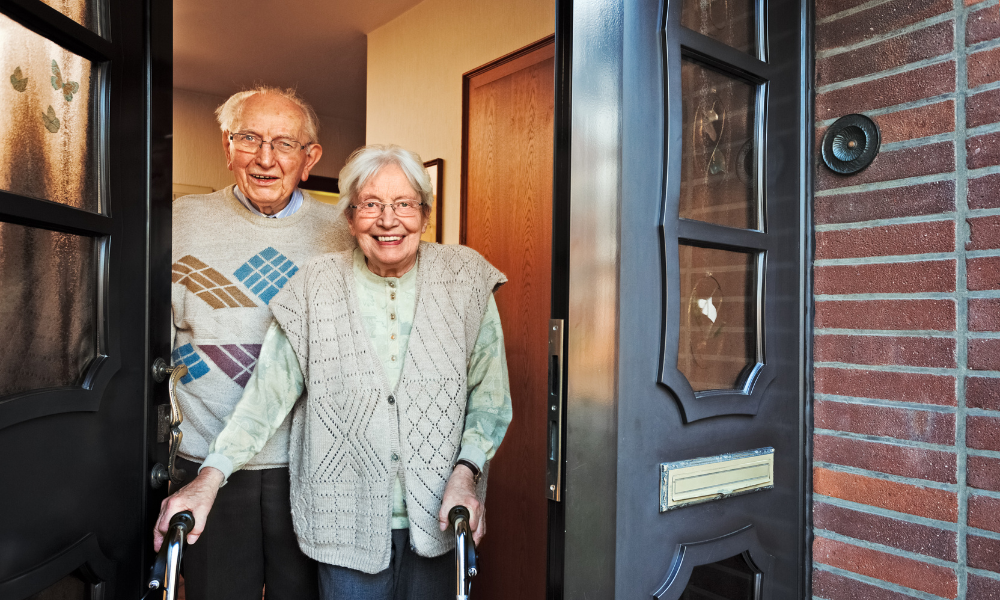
{"type": "Point", "coordinates": [408, 577]}
{"type": "Point", "coordinates": [249, 543]}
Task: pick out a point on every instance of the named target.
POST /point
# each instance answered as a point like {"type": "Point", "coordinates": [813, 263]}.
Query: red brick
{"type": "Point", "coordinates": [982, 108]}
{"type": "Point", "coordinates": [825, 8]}
{"type": "Point", "coordinates": [983, 273]}
{"type": "Point", "coordinates": [929, 541]}
{"type": "Point", "coordinates": [984, 314]}
{"type": "Point", "coordinates": [890, 495]}
{"type": "Point", "coordinates": [886, 278]}
{"type": "Point", "coordinates": [892, 459]}
{"type": "Point", "coordinates": [885, 350]}
{"type": "Point", "coordinates": [983, 472]}
{"type": "Point", "coordinates": [909, 201]}
{"type": "Point", "coordinates": [971, 2]}
{"type": "Point", "coordinates": [887, 91]}
{"type": "Point", "coordinates": [982, 25]}
{"type": "Point", "coordinates": [902, 571]}
{"type": "Point", "coordinates": [984, 192]}
{"type": "Point", "coordinates": [982, 433]}
{"type": "Point", "coordinates": [982, 392]}
{"type": "Point", "coordinates": [983, 67]}
{"type": "Point", "coordinates": [984, 355]}
{"type": "Point", "coordinates": [876, 21]}
{"type": "Point", "coordinates": [891, 240]}
{"type": "Point", "coordinates": [937, 315]}
{"type": "Point", "coordinates": [984, 513]}
{"type": "Point", "coordinates": [914, 123]}
{"type": "Point", "coordinates": [983, 150]}
{"type": "Point", "coordinates": [983, 553]}
{"type": "Point", "coordinates": [901, 50]}
{"type": "Point", "coordinates": [896, 164]}
{"type": "Point", "coordinates": [982, 588]}
{"type": "Point", "coordinates": [901, 423]}
{"type": "Point", "coordinates": [984, 233]}
{"type": "Point", "coordinates": [831, 586]}
{"type": "Point", "coordinates": [880, 385]}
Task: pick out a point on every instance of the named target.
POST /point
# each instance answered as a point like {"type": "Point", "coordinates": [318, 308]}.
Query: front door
{"type": "Point", "coordinates": [685, 471]}
{"type": "Point", "coordinates": [84, 222]}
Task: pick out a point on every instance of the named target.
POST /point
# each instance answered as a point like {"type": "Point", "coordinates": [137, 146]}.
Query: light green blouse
{"type": "Point", "coordinates": [387, 308]}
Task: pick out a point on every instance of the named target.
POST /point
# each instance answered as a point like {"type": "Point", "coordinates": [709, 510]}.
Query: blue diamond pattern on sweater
{"type": "Point", "coordinates": [266, 273]}
{"type": "Point", "coordinates": [196, 366]}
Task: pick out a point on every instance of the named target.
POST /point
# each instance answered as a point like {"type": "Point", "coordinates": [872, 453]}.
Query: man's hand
{"type": "Point", "coordinates": [197, 496]}
{"type": "Point", "coordinates": [461, 490]}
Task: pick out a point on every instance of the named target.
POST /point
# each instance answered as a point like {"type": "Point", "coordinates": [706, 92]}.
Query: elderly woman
{"type": "Point", "coordinates": [392, 357]}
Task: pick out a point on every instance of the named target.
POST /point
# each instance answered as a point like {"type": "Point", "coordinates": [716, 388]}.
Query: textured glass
{"type": "Point", "coordinates": [48, 307]}
{"type": "Point", "coordinates": [718, 167]}
{"type": "Point", "coordinates": [69, 587]}
{"type": "Point", "coordinates": [729, 21]}
{"type": "Point", "coordinates": [47, 147]}
{"type": "Point", "coordinates": [729, 579]}
{"type": "Point", "coordinates": [84, 12]}
{"type": "Point", "coordinates": [718, 337]}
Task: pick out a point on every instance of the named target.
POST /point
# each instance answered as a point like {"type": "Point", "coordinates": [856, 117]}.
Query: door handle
{"type": "Point", "coordinates": [553, 458]}
{"type": "Point", "coordinates": [171, 473]}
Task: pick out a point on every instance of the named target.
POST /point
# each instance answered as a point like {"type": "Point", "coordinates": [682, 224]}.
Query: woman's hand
{"type": "Point", "coordinates": [197, 496]}
{"type": "Point", "coordinates": [461, 491]}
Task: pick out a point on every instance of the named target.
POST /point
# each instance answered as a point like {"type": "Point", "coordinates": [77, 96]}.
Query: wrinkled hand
{"type": "Point", "coordinates": [197, 496]}
{"type": "Point", "coordinates": [461, 490]}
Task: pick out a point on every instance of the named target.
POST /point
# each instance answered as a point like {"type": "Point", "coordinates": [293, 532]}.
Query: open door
{"type": "Point", "coordinates": [685, 472]}
{"type": "Point", "coordinates": [84, 290]}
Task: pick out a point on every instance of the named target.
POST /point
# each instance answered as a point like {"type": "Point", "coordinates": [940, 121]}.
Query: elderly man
{"type": "Point", "coordinates": [233, 250]}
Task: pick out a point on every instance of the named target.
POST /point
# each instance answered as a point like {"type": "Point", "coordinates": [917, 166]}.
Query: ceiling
{"type": "Point", "coordinates": [318, 47]}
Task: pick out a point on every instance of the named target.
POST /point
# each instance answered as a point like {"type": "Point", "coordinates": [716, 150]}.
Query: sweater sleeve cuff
{"type": "Point", "coordinates": [472, 454]}
{"type": "Point", "coordinates": [221, 462]}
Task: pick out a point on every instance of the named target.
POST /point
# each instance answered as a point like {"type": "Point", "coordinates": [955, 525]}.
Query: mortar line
{"type": "Point", "coordinates": [900, 70]}
{"type": "Point", "coordinates": [929, 22]}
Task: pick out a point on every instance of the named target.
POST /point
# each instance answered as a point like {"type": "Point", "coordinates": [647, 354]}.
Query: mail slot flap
{"type": "Point", "coordinates": [715, 477]}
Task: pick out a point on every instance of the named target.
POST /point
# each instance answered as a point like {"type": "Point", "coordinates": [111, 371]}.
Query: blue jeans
{"type": "Point", "coordinates": [408, 577]}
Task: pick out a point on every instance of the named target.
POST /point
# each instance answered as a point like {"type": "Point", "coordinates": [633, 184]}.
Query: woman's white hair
{"type": "Point", "coordinates": [365, 162]}
{"type": "Point", "coordinates": [230, 113]}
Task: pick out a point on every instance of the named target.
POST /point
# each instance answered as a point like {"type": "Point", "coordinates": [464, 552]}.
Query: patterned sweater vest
{"type": "Point", "coordinates": [227, 266]}
{"type": "Point", "coordinates": [353, 434]}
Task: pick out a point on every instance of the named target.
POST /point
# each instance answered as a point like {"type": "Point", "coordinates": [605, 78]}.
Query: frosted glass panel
{"type": "Point", "coordinates": [718, 165]}
{"type": "Point", "coordinates": [69, 587]}
{"type": "Point", "coordinates": [48, 128]}
{"type": "Point", "coordinates": [83, 12]}
{"type": "Point", "coordinates": [48, 307]}
{"type": "Point", "coordinates": [729, 579]}
{"type": "Point", "coordinates": [729, 21]}
{"type": "Point", "coordinates": [718, 334]}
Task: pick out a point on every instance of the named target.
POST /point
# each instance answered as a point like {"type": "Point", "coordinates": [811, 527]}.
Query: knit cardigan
{"type": "Point", "coordinates": [353, 434]}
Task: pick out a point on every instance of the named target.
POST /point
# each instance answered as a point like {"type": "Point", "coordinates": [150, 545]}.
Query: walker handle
{"type": "Point", "coordinates": [465, 551]}
{"type": "Point", "coordinates": [166, 567]}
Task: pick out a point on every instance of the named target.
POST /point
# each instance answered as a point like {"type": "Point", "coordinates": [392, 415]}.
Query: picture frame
{"type": "Point", "coordinates": [324, 189]}
{"type": "Point", "coordinates": [435, 225]}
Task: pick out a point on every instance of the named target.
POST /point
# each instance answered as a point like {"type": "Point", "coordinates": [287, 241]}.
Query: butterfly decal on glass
{"type": "Point", "coordinates": [17, 80]}
{"type": "Point", "coordinates": [50, 120]}
{"type": "Point", "coordinates": [68, 88]}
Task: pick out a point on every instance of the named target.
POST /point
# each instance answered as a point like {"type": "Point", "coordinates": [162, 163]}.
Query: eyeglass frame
{"type": "Point", "coordinates": [268, 142]}
{"type": "Point", "coordinates": [382, 205]}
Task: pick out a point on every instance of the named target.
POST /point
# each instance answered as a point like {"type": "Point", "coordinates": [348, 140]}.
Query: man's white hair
{"type": "Point", "coordinates": [365, 162]}
{"type": "Point", "coordinates": [231, 111]}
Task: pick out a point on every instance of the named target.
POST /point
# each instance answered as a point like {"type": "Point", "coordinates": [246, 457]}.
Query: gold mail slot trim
{"type": "Point", "coordinates": [710, 478]}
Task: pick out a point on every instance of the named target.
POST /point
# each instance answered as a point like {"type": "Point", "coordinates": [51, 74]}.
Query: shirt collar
{"type": "Point", "coordinates": [294, 204]}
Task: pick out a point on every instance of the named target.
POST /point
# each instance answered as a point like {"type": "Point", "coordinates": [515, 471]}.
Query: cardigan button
{"type": "Point", "coordinates": [395, 457]}
{"type": "Point", "coordinates": [392, 399]}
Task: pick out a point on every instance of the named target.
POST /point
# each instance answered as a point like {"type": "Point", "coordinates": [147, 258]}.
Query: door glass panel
{"type": "Point", "coordinates": [718, 164]}
{"type": "Point", "coordinates": [69, 587]}
{"type": "Point", "coordinates": [731, 22]}
{"type": "Point", "coordinates": [48, 132]}
{"type": "Point", "coordinates": [84, 12]}
{"type": "Point", "coordinates": [718, 333]}
{"type": "Point", "coordinates": [729, 579]}
{"type": "Point", "coordinates": [48, 307]}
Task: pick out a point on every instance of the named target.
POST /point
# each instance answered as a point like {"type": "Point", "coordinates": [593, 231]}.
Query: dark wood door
{"type": "Point", "coordinates": [84, 278]}
{"type": "Point", "coordinates": [507, 216]}
{"type": "Point", "coordinates": [685, 474]}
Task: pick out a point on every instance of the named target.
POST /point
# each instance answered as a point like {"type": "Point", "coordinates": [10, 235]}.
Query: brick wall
{"type": "Point", "coordinates": [907, 284]}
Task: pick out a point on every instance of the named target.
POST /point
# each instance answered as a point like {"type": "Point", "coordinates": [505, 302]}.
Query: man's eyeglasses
{"type": "Point", "coordinates": [403, 208]}
{"type": "Point", "coordinates": [251, 142]}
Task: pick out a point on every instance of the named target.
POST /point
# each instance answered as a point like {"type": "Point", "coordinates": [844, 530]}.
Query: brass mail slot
{"type": "Point", "coordinates": [710, 478]}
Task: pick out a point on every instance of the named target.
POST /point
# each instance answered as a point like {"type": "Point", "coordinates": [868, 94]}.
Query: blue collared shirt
{"type": "Point", "coordinates": [294, 204]}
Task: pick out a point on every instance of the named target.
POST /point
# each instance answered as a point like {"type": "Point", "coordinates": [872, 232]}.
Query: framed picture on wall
{"type": "Point", "coordinates": [324, 189]}
{"type": "Point", "coordinates": [435, 226]}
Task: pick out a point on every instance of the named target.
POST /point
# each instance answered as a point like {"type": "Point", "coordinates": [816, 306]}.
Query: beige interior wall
{"type": "Point", "coordinates": [200, 161]}
{"type": "Point", "coordinates": [415, 66]}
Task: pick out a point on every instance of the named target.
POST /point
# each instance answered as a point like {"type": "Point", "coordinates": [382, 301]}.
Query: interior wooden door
{"type": "Point", "coordinates": [507, 216]}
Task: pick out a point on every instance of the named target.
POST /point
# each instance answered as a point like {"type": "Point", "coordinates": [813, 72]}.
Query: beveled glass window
{"type": "Point", "coordinates": [718, 162]}
{"type": "Point", "coordinates": [48, 307]}
{"type": "Point", "coordinates": [47, 136]}
{"type": "Point", "coordinates": [732, 22]}
{"type": "Point", "coordinates": [84, 12]}
{"type": "Point", "coordinates": [718, 332]}
{"type": "Point", "coordinates": [728, 579]}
